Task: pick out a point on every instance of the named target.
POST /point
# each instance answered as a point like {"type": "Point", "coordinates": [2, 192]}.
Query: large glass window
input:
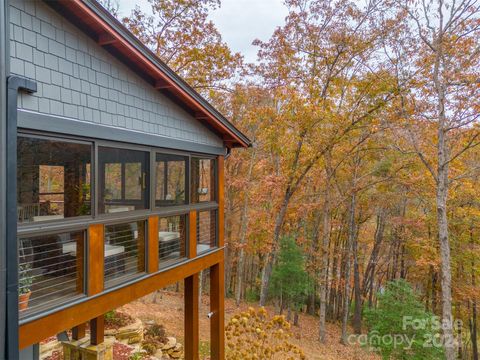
{"type": "Point", "coordinates": [206, 230]}
{"type": "Point", "coordinates": [53, 179]}
{"type": "Point", "coordinates": [203, 180]}
{"type": "Point", "coordinates": [171, 177]}
{"type": "Point", "coordinates": [171, 238]}
{"type": "Point", "coordinates": [124, 251]}
{"type": "Point", "coordinates": [124, 180]}
{"type": "Point", "coordinates": [51, 270]}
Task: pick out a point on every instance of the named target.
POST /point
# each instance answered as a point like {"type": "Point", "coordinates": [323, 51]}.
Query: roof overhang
{"type": "Point", "coordinates": [109, 33]}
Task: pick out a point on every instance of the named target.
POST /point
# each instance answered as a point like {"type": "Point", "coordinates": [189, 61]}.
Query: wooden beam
{"type": "Point", "coordinates": [217, 308]}
{"type": "Point", "coordinates": [80, 261]}
{"type": "Point", "coordinates": [97, 330]}
{"type": "Point", "coordinates": [201, 116]}
{"type": "Point", "coordinates": [36, 330]}
{"type": "Point", "coordinates": [106, 39]}
{"type": "Point", "coordinates": [153, 244]}
{"type": "Point", "coordinates": [191, 327]}
{"type": "Point", "coordinates": [192, 234]}
{"type": "Point", "coordinates": [96, 259]}
{"type": "Point", "coordinates": [79, 331]}
{"type": "Point", "coordinates": [221, 200]}
{"type": "Point", "coordinates": [162, 84]}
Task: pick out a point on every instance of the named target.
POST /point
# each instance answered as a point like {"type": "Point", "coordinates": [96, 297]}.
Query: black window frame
{"type": "Point", "coordinates": [67, 139]}
{"type": "Point", "coordinates": [187, 157]}
{"type": "Point", "coordinates": [82, 223]}
{"type": "Point", "coordinates": [99, 180]}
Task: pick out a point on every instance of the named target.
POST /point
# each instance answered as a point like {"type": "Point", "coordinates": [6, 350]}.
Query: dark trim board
{"type": "Point", "coordinates": [15, 85]}
{"type": "Point", "coordinates": [62, 125]}
{"type": "Point", "coordinates": [4, 68]}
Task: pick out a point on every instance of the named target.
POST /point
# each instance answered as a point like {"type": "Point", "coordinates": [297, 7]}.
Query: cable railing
{"type": "Point", "coordinates": [171, 240]}
{"type": "Point", "coordinates": [51, 270]}
{"type": "Point", "coordinates": [124, 251]}
{"type": "Point", "coordinates": [52, 267]}
{"type": "Point", "coordinates": [206, 230]}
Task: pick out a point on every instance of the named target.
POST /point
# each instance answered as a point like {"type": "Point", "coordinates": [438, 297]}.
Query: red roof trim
{"type": "Point", "coordinates": [109, 36]}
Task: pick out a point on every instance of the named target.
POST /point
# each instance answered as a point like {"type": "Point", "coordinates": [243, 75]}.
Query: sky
{"type": "Point", "coordinates": [239, 21]}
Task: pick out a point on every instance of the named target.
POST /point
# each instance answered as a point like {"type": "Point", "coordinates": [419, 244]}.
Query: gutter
{"type": "Point", "coordinates": [15, 85]}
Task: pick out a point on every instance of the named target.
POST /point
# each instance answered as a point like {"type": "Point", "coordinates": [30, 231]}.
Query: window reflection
{"type": "Point", "coordinates": [53, 179]}
{"type": "Point", "coordinates": [171, 178]}
{"type": "Point", "coordinates": [123, 176]}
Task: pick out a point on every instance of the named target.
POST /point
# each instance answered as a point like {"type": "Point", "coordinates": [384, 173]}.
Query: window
{"type": "Point", "coordinates": [206, 230]}
{"type": "Point", "coordinates": [53, 179]}
{"type": "Point", "coordinates": [51, 270]}
{"type": "Point", "coordinates": [171, 177]}
{"type": "Point", "coordinates": [124, 251]}
{"type": "Point", "coordinates": [203, 180]}
{"type": "Point", "coordinates": [171, 238]}
{"type": "Point", "coordinates": [124, 180]}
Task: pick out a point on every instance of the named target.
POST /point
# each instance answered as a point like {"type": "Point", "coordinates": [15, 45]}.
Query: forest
{"type": "Point", "coordinates": [359, 199]}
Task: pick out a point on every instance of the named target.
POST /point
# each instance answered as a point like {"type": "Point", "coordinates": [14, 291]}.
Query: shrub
{"type": "Point", "coordinates": [157, 332]}
{"type": "Point", "coordinates": [115, 319]}
{"type": "Point", "coordinates": [390, 325]}
{"type": "Point", "coordinates": [252, 335]}
{"type": "Point", "coordinates": [155, 337]}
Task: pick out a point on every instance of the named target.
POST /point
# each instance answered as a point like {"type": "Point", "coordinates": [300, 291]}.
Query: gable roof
{"type": "Point", "coordinates": [109, 33]}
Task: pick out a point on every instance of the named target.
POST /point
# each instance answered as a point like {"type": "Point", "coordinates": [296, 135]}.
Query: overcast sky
{"type": "Point", "coordinates": [239, 21]}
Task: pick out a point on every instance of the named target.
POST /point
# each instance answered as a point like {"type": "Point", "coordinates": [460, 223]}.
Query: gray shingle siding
{"type": "Point", "coordinates": [78, 79]}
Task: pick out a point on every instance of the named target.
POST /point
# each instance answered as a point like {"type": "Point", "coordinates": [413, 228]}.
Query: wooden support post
{"type": "Point", "coordinates": [97, 330]}
{"type": "Point", "coordinates": [221, 202]}
{"type": "Point", "coordinates": [192, 234]}
{"type": "Point", "coordinates": [78, 332]}
{"type": "Point", "coordinates": [80, 241]}
{"type": "Point", "coordinates": [217, 308]}
{"type": "Point", "coordinates": [191, 318]}
{"type": "Point", "coordinates": [152, 244]}
{"type": "Point", "coordinates": [95, 259]}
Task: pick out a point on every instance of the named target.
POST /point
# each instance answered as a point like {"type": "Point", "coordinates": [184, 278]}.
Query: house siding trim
{"type": "Point", "coordinates": [61, 125]}
{"type": "Point", "coordinates": [77, 78]}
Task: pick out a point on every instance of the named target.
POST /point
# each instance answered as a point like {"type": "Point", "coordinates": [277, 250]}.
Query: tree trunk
{"type": "Point", "coordinates": [473, 319]}
{"type": "Point", "coordinates": [268, 268]}
{"type": "Point", "coordinates": [357, 314]}
{"type": "Point", "coordinates": [243, 237]}
{"type": "Point", "coordinates": [325, 252]}
{"type": "Point", "coordinates": [346, 295]}
{"type": "Point", "coordinates": [369, 276]}
{"type": "Point", "coordinates": [295, 318]}
{"type": "Point", "coordinates": [446, 278]}
{"type": "Point", "coordinates": [442, 185]}
{"type": "Point", "coordinates": [473, 331]}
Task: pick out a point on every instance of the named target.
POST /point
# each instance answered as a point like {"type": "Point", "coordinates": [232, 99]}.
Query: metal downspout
{"type": "Point", "coordinates": [15, 84]}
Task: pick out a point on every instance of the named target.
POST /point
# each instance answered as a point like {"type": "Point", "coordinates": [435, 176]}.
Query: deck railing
{"type": "Point", "coordinates": [51, 270]}
{"type": "Point", "coordinates": [53, 267]}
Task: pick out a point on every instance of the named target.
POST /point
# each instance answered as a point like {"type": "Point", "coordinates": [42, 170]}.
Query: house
{"type": "Point", "coordinates": [111, 179]}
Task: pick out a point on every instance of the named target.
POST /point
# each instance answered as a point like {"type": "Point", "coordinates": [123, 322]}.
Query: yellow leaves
{"type": "Point", "coordinates": [253, 335]}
